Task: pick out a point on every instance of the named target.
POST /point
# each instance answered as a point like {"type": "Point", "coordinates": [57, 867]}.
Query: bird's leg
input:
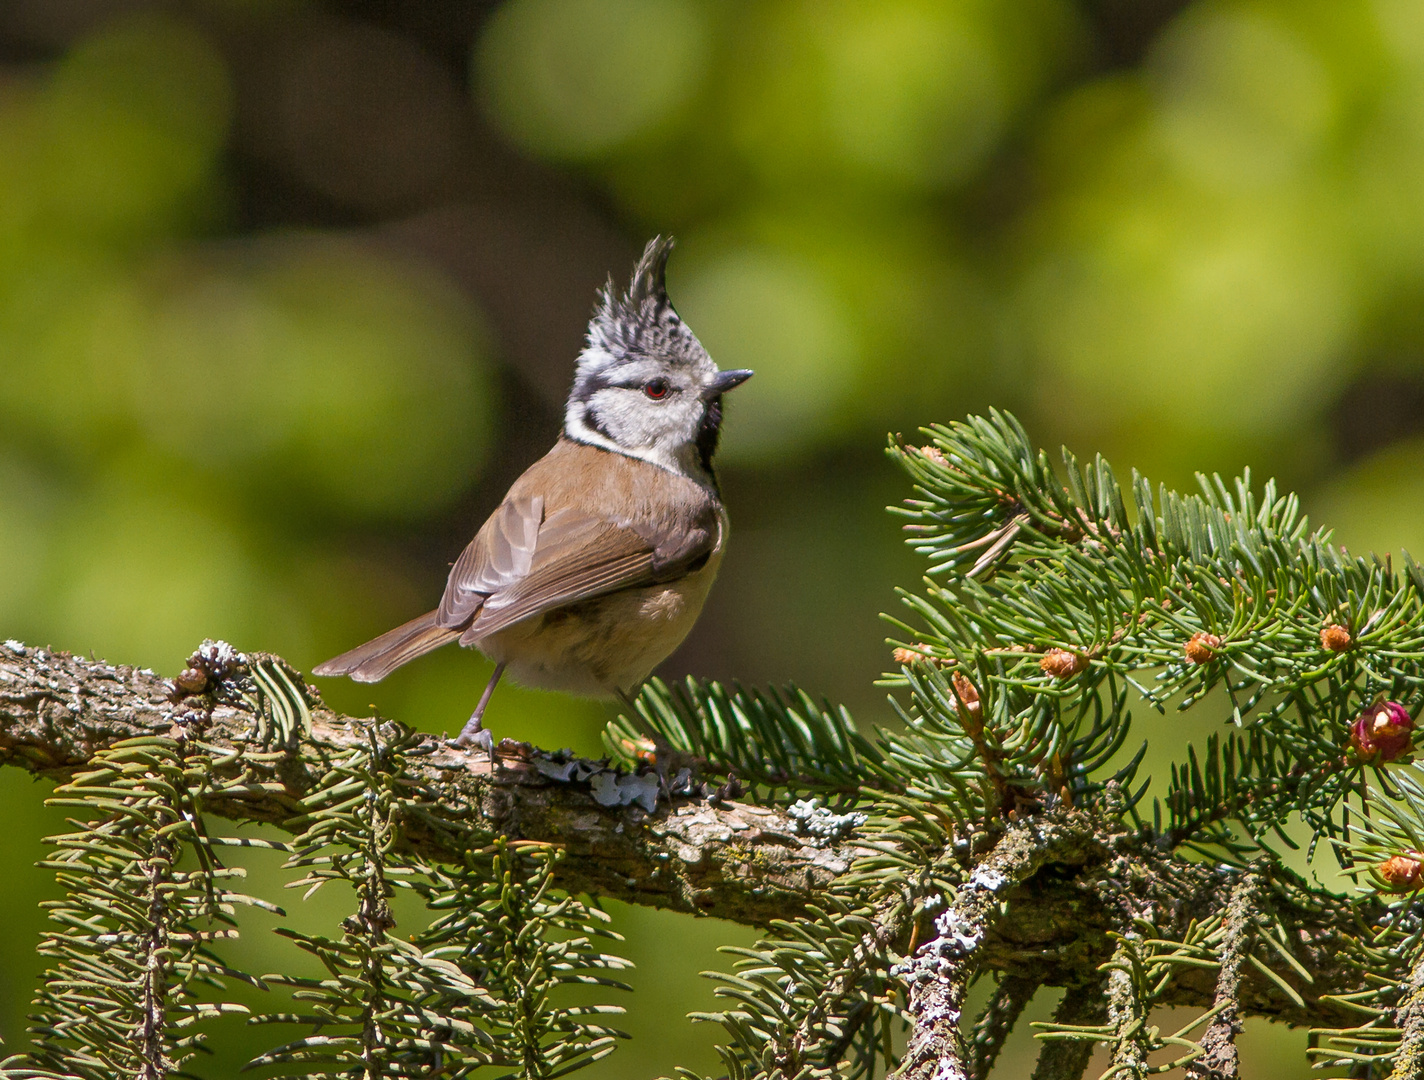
{"type": "Point", "coordinates": [662, 750]}
{"type": "Point", "coordinates": [474, 733]}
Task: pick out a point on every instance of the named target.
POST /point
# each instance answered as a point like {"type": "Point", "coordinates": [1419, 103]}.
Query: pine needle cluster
{"type": "Point", "coordinates": [1057, 602]}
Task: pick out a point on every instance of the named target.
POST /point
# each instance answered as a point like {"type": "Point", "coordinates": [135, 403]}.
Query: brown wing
{"type": "Point", "coordinates": [499, 556]}
{"type": "Point", "coordinates": [579, 556]}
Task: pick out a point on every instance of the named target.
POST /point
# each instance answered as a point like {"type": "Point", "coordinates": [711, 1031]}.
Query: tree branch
{"type": "Point", "coordinates": [737, 861]}
{"type": "Point", "coordinates": [1409, 1019]}
{"type": "Point", "coordinates": [1086, 1006]}
{"type": "Point", "coordinates": [1220, 1060]}
{"type": "Point", "coordinates": [995, 1022]}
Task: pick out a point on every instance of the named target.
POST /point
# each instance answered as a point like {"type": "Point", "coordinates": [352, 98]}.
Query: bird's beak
{"type": "Point", "coordinates": [724, 381]}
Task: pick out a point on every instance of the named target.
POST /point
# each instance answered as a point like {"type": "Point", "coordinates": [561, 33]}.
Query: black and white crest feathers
{"type": "Point", "coordinates": [638, 324]}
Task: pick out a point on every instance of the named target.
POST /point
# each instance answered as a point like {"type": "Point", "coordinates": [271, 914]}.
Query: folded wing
{"type": "Point", "coordinates": [522, 564]}
{"type": "Point", "coordinates": [581, 556]}
{"type": "Point", "coordinates": [499, 556]}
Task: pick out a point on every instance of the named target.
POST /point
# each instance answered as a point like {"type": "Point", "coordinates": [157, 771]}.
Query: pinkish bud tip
{"type": "Point", "coordinates": [1382, 733]}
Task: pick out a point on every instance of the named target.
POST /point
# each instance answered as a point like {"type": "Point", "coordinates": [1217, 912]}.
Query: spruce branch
{"type": "Point", "coordinates": [389, 1007]}
{"type": "Point", "coordinates": [739, 861]}
{"type": "Point", "coordinates": [268, 785]}
{"type": "Point", "coordinates": [135, 934]}
{"type": "Point", "coordinates": [499, 922]}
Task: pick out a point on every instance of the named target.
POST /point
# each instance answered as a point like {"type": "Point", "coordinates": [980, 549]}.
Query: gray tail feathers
{"type": "Point", "coordinates": [376, 659]}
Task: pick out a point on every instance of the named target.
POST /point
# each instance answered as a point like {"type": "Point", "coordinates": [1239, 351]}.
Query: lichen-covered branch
{"type": "Point", "coordinates": [939, 973]}
{"type": "Point", "coordinates": [1409, 1019]}
{"type": "Point", "coordinates": [738, 861]}
{"type": "Point", "coordinates": [1127, 1013]}
{"type": "Point", "coordinates": [1219, 1060]}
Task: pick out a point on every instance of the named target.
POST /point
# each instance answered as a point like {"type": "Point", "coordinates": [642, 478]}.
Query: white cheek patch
{"type": "Point", "coordinates": [622, 421]}
{"type": "Point", "coordinates": [624, 416]}
{"type": "Point", "coordinates": [609, 420]}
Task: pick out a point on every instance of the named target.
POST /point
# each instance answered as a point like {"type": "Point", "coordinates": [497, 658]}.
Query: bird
{"type": "Point", "coordinates": [596, 564]}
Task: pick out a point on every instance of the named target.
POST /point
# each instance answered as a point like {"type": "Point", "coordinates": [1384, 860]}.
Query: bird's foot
{"type": "Point", "coordinates": [474, 734]}
{"type": "Point", "coordinates": [675, 771]}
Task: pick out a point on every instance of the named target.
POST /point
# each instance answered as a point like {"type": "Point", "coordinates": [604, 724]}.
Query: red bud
{"type": "Point", "coordinates": [1382, 733]}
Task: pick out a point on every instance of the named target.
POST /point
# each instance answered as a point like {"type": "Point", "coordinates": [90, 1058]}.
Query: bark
{"type": "Point", "coordinates": [1128, 1016]}
{"type": "Point", "coordinates": [1220, 1060]}
{"type": "Point", "coordinates": [737, 861]}
{"type": "Point", "coordinates": [1409, 1018]}
{"type": "Point", "coordinates": [1084, 1006]}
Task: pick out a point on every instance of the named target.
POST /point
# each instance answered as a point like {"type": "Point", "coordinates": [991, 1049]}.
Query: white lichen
{"type": "Point", "coordinates": [814, 820]}
{"type": "Point", "coordinates": [986, 877]}
{"type": "Point", "coordinates": [958, 935]}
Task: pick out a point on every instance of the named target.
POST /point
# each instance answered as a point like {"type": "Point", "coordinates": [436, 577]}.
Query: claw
{"type": "Point", "coordinates": [474, 735]}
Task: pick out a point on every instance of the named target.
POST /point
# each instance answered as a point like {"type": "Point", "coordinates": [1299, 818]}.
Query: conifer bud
{"type": "Point", "coordinates": [192, 680]}
{"type": "Point", "coordinates": [1061, 664]}
{"type": "Point", "coordinates": [934, 453]}
{"type": "Point", "coordinates": [1382, 733]}
{"type": "Point", "coordinates": [1402, 872]}
{"type": "Point", "coordinates": [1201, 647]}
{"type": "Point", "coordinates": [1335, 638]}
{"type": "Point", "coordinates": [916, 653]}
{"type": "Point", "coordinates": [641, 750]}
{"type": "Point", "coordinates": [971, 710]}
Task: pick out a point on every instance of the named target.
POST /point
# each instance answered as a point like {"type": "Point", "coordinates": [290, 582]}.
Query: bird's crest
{"type": "Point", "coordinates": [640, 322]}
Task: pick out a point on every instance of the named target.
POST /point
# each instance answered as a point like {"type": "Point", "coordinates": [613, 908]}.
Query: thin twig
{"type": "Point", "coordinates": [996, 1021]}
{"type": "Point", "coordinates": [1082, 1006]}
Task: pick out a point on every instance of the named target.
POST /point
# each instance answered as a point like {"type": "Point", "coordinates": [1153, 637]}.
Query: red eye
{"type": "Point", "coordinates": [656, 388]}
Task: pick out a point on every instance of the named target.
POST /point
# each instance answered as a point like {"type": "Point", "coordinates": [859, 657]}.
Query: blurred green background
{"type": "Point", "coordinates": [290, 291]}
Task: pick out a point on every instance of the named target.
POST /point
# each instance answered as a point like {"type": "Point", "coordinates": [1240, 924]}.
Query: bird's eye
{"type": "Point", "coordinates": [656, 388]}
